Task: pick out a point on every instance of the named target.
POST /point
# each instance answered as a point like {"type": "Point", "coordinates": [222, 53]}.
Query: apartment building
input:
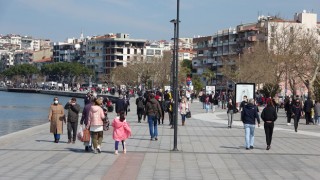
{"type": "Point", "coordinates": [106, 52]}
{"type": "Point", "coordinates": [6, 59]}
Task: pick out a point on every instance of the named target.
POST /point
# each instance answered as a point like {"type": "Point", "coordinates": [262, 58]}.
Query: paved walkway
{"type": "Point", "coordinates": [207, 150]}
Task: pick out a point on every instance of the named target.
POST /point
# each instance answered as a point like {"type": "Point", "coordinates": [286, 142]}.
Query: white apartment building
{"type": "Point", "coordinates": [106, 52]}
{"type": "Point", "coordinates": [64, 52]}
{"type": "Point", "coordinates": [6, 60]}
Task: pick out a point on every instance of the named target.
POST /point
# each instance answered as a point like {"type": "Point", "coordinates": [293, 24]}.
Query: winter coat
{"type": "Point", "coordinates": [73, 112]}
{"type": "Point", "coordinates": [121, 130]}
{"type": "Point", "coordinates": [56, 117]}
{"type": "Point", "coordinates": [297, 110]}
{"type": "Point", "coordinates": [85, 114]}
{"type": "Point", "coordinates": [250, 114]}
{"type": "Point", "coordinates": [317, 109]}
{"type": "Point", "coordinates": [96, 116]}
{"type": "Point", "coordinates": [120, 105]}
{"type": "Point", "coordinates": [139, 110]}
{"type": "Point", "coordinates": [153, 108]}
{"type": "Point", "coordinates": [308, 105]}
{"type": "Point", "coordinates": [269, 114]}
{"type": "Point", "coordinates": [288, 107]}
{"type": "Point", "coordinates": [183, 107]}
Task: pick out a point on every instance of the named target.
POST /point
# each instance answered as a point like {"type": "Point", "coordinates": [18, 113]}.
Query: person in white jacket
{"type": "Point", "coordinates": [183, 108]}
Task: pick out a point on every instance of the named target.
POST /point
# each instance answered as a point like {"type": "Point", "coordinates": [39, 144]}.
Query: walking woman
{"type": "Point", "coordinates": [269, 116]}
{"type": "Point", "coordinates": [95, 124]}
{"type": "Point", "coordinates": [231, 110]}
{"type": "Point", "coordinates": [297, 111]}
{"type": "Point", "coordinates": [56, 118]}
{"type": "Point", "coordinates": [183, 108]}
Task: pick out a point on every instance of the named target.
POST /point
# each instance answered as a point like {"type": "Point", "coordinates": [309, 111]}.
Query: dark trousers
{"type": "Point", "coordinates": [72, 126]}
{"type": "Point", "coordinates": [171, 117]}
{"type": "Point", "coordinates": [289, 115]}
{"type": "Point", "coordinates": [116, 145]}
{"type": "Point", "coordinates": [296, 122]}
{"type": "Point", "coordinates": [161, 119]}
{"type": "Point", "coordinates": [268, 129]}
{"type": "Point", "coordinates": [139, 116]}
{"type": "Point", "coordinates": [308, 117]}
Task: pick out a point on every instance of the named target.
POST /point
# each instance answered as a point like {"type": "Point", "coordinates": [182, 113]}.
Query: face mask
{"type": "Point", "coordinates": [56, 102]}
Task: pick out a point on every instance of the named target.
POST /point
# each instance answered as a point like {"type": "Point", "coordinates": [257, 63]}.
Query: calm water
{"type": "Point", "coordinates": [20, 111]}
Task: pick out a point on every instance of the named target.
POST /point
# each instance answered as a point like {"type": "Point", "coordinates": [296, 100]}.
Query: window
{"type": "Point", "coordinates": [150, 52]}
{"type": "Point", "coordinates": [158, 52]}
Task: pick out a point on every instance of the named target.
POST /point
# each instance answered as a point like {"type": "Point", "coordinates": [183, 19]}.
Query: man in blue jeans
{"type": "Point", "coordinates": [153, 111]}
{"type": "Point", "coordinates": [249, 115]}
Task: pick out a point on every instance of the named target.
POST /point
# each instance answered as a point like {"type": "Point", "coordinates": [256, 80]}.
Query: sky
{"type": "Point", "coordinates": [142, 19]}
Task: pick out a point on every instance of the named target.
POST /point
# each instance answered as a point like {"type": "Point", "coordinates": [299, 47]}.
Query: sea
{"type": "Point", "coordinates": [19, 111]}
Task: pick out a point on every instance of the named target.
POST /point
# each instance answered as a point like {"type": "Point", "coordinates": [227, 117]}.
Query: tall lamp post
{"type": "Point", "coordinates": [175, 79]}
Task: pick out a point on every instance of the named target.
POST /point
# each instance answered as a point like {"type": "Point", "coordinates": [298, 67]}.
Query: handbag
{"type": "Point", "coordinates": [86, 135]}
{"type": "Point", "coordinates": [188, 114]}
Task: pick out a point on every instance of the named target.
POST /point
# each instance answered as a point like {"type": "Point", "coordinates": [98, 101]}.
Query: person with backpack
{"type": "Point", "coordinates": [153, 111]}
{"type": "Point", "coordinates": [140, 102]}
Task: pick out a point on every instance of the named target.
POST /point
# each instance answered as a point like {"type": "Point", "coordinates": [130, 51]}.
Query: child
{"type": "Point", "coordinates": [121, 131]}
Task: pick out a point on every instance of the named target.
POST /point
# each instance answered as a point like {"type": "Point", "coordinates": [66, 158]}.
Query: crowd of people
{"type": "Point", "coordinates": [153, 105]}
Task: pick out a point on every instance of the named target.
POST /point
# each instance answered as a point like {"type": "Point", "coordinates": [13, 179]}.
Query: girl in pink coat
{"type": "Point", "coordinates": [121, 131]}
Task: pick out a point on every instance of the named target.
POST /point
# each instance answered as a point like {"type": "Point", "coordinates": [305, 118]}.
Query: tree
{"type": "Point", "coordinates": [208, 75]}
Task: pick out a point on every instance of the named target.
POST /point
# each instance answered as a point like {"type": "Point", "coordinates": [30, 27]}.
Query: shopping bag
{"type": "Point", "coordinates": [80, 133]}
{"type": "Point", "coordinates": [86, 135]}
{"type": "Point", "coordinates": [188, 115]}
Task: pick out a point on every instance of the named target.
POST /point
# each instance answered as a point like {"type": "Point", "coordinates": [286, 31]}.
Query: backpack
{"type": "Point", "coordinates": [140, 104]}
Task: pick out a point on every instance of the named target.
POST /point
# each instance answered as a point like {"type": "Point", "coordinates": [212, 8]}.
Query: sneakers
{"type": "Point", "coordinates": [251, 147]}
{"type": "Point", "coordinates": [268, 147]}
{"type": "Point", "coordinates": [289, 124]}
{"type": "Point", "coordinates": [69, 141]}
{"type": "Point", "coordinates": [124, 151]}
{"type": "Point", "coordinates": [99, 149]}
{"type": "Point", "coordinates": [116, 152]}
{"type": "Point", "coordinates": [156, 138]}
{"type": "Point", "coordinates": [95, 151]}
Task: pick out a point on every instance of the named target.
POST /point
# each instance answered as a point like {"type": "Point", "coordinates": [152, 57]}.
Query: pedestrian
{"type": "Point", "coordinates": [308, 105]}
{"type": "Point", "coordinates": [169, 106]}
{"type": "Point", "coordinates": [297, 111]}
{"type": "Point", "coordinates": [317, 113]}
{"type": "Point", "coordinates": [162, 105]}
{"type": "Point", "coordinates": [249, 115]}
{"type": "Point", "coordinates": [288, 109]}
{"type": "Point", "coordinates": [153, 111]}
{"type": "Point", "coordinates": [95, 124]}
{"type": "Point", "coordinates": [56, 118]}
{"type": "Point", "coordinates": [72, 121]}
{"type": "Point", "coordinates": [269, 116]}
{"type": "Point", "coordinates": [183, 108]}
{"type": "Point", "coordinates": [140, 102]}
{"type": "Point", "coordinates": [231, 110]}
{"type": "Point", "coordinates": [84, 120]}
{"type": "Point", "coordinates": [120, 105]}
{"type": "Point", "coordinates": [243, 103]}
{"type": "Point", "coordinates": [121, 132]}
{"type": "Point", "coordinates": [207, 103]}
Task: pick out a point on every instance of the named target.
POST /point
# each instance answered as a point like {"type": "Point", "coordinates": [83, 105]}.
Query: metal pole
{"type": "Point", "coordinates": [176, 100]}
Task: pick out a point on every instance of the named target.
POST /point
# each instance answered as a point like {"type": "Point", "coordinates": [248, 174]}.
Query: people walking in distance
{"type": "Point", "coordinates": [120, 105]}
{"type": "Point", "coordinates": [84, 120]}
{"type": "Point", "coordinates": [317, 113]}
{"type": "Point", "coordinates": [277, 103]}
{"type": "Point", "coordinates": [249, 115]}
{"type": "Point", "coordinates": [87, 98]}
{"type": "Point", "coordinates": [153, 110]}
{"type": "Point", "coordinates": [56, 118]}
{"type": "Point", "coordinates": [162, 105]}
{"type": "Point", "coordinates": [72, 121]}
{"type": "Point", "coordinates": [231, 110]}
{"type": "Point", "coordinates": [269, 116]}
{"type": "Point", "coordinates": [126, 103]}
{"type": "Point", "coordinates": [121, 132]}
{"type": "Point", "coordinates": [297, 111]}
{"type": "Point", "coordinates": [308, 105]}
{"type": "Point", "coordinates": [207, 102]}
{"type": "Point", "coordinates": [223, 100]}
{"type": "Point", "coordinates": [288, 109]}
{"type": "Point", "coordinates": [183, 108]}
{"type": "Point", "coordinates": [169, 107]}
{"type": "Point", "coordinates": [140, 102]}
{"type": "Point", "coordinates": [95, 124]}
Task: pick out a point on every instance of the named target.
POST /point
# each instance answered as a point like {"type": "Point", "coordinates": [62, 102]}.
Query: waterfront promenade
{"type": "Point", "coordinates": [207, 150]}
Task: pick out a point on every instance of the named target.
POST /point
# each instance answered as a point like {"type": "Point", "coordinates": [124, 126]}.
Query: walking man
{"type": "Point", "coordinates": [73, 116]}
{"type": "Point", "coordinates": [249, 115]}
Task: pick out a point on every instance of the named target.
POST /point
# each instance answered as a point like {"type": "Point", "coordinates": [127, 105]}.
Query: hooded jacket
{"type": "Point", "coordinates": [96, 115]}
{"type": "Point", "coordinates": [121, 130]}
{"type": "Point", "coordinates": [250, 114]}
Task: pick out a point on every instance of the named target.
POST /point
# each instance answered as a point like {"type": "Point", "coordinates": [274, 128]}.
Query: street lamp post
{"type": "Point", "coordinates": [176, 100]}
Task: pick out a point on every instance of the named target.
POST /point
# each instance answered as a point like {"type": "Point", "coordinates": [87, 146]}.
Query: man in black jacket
{"type": "Point", "coordinates": [249, 115]}
{"type": "Point", "coordinates": [120, 105]}
{"type": "Point", "coordinates": [73, 116]}
{"type": "Point", "coordinates": [308, 105]}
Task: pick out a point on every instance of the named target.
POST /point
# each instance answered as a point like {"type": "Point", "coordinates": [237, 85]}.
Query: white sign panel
{"type": "Point", "coordinates": [244, 90]}
{"type": "Point", "coordinates": [210, 89]}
